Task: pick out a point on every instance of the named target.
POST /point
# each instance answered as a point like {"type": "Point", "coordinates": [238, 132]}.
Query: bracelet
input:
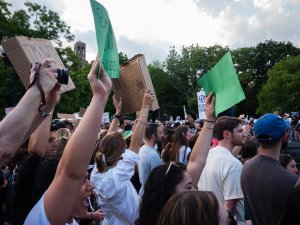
{"type": "Point", "coordinates": [42, 112]}
{"type": "Point", "coordinates": [209, 121]}
{"type": "Point", "coordinates": [117, 116]}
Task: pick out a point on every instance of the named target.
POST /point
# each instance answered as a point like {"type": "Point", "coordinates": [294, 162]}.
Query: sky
{"type": "Point", "coordinates": [152, 27]}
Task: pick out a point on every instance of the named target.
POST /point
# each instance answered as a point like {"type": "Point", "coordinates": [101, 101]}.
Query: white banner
{"type": "Point", "coordinates": [201, 104]}
{"type": "Point", "coordinates": [105, 117]}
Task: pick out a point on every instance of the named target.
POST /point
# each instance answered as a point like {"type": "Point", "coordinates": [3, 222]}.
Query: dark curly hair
{"type": "Point", "coordinates": [160, 186]}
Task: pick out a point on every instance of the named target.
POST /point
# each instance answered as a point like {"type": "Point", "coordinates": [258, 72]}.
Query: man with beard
{"type": "Point", "coordinates": [266, 184]}
{"type": "Point", "coordinates": [149, 157]}
{"type": "Point", "coordinates": [221, 174]}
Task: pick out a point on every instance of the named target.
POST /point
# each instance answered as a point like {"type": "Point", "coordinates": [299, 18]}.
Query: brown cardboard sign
{"type": "Point", "coordinates": [133, 82]}
{"type": "Point", "coordinates": [23, 51]}
{"type": "Point", "coordinates": [66, 116]}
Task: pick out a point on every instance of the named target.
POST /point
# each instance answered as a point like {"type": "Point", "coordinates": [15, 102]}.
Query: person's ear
{"type": "Point", "coordinates": [226, 134]}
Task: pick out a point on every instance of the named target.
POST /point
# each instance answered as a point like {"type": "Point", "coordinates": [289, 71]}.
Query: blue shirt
{"type": "Point", "coordinates": [149, 159]}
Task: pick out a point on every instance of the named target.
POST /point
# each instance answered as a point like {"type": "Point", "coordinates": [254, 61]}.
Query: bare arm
{"type": "Point", "coordinates": [230, 205]}
{"type": "Point", "coordinates": [39, 138]}
{"type": "Point", "coordinates": [114, 124]}
{"type": "Point", "coordinates": [139, 129]}
{"type": "Point", "coordinates": [14, 127]}
{"type": "Point", "coordinates": [61, 196]}
{"type": "Point", "coordinates": [200, 150]}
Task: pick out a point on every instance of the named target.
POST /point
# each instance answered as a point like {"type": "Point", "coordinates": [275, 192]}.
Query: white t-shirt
{"type": "Point", "coordinates": [118, 198]}
{"type": "Point", "coordinates": [221, 175]}
{"type": "Point", "coordinates": [37, 215]}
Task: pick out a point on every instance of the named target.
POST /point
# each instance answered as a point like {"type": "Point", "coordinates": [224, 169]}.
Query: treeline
{"type": "Point", "coordinates": [269, 72]}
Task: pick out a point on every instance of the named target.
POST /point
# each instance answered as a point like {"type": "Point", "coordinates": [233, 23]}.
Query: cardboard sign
{"type": "Point", "coordinates": [133, 82]}
{"type": "Point", "coordinates": [23, 51]}
{"type": "Point", "coordinates": [66, 116]}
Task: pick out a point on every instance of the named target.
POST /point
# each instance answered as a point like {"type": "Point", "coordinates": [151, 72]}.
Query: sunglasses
{"type": "Point", "coordinates": [175, 165]}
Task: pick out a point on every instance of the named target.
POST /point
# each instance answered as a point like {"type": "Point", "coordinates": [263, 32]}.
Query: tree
{"type": "Point", "coordinates": [252, 65]}
{"type": "Point", "coordinates": [281, 92]}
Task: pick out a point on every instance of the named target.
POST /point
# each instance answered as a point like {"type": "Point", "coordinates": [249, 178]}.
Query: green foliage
{"type": "Point", "coordinates": [281, 92]}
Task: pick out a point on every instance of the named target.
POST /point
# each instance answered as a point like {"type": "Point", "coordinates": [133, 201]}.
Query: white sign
{"type": "Point", "coordinates": [201, 104]}
{"type": "Point", "coordinates": [105, 117]}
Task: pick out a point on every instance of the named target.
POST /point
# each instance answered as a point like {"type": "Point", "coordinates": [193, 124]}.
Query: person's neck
{"type": "Point", "coordinates": [150, 143]}
{"type": "Point", "coordinates": [226, 144]}
{"type": "Point", "coordinates": [270, 152]}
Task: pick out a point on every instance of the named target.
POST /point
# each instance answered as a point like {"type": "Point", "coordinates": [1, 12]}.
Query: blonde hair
{"type": "Point", "coordinates": [62, 137]}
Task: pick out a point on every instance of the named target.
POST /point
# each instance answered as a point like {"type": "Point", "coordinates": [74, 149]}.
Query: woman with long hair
{"type": "Point", "coordinates": [114, 168]}
{"type": "Point", "coordinates": [180, 148]}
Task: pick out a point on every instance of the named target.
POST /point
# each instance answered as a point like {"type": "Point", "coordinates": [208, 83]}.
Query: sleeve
{"type": "Point", "coordinates": [124, 169]}
{"type": "Point", "coordinates": [155, 161]}
{"type": "Point", "coordinates": [232, 185]}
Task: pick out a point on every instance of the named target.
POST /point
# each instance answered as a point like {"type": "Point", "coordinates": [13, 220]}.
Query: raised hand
{"type": "Point", "coordinates": [118, 104]}
{"type": "Point", "coordinates": [101, 87]}
{"type": "Point", "coordinates": [210, 107]}
{"type": "Point", "coordinates": [48, 75]}
{"type": "Point", "coordinates": [148, 98]}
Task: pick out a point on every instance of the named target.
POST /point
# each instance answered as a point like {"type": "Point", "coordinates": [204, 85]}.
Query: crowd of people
{"type": "Point", "coordinates": [218, 171]}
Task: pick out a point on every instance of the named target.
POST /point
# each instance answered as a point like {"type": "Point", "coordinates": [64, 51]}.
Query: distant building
{"type": "Point", "coordinates": [80, 49]}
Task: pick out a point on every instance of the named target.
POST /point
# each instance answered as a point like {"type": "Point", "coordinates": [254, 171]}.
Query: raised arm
{"type": "Point", "coordinates": [141, 122]}
{"type": "Point", "coordinates": [15, 126]}
{"type": "Point", "coordinates": [39, 138]}
{"type": "Point", "coordinates": [61, 196]}
{"type": "Point", "coordinates": [114, 124]}
{"type": "Point", "coordinates": [200, 150]}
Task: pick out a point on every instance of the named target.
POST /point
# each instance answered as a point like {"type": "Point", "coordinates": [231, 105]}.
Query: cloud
{"type": "Point", "coordinates": [248, 22]}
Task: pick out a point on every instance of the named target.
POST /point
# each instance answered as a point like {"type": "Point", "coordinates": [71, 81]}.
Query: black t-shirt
{"type": "Point", "coordinates": [266, 186]}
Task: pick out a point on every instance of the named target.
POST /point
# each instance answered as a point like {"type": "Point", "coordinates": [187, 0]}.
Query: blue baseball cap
{"type": "Point", "coordinates": [269, 128]}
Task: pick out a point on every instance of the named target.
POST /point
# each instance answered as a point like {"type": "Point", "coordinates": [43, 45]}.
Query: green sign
{"type": "Point", "coordinates": [223, 81]}
{"type": "Point", "coordinates": [107, 47]}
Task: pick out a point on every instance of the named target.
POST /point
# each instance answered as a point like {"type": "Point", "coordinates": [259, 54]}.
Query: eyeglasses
{"type": "Point", "coordinates": [170, 165]}
{"type": "Point", "coordinates": [231, 219]}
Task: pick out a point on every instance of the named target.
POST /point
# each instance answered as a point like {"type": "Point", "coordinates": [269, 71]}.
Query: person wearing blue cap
{"type": "Point", "coordinates": [265, 183]}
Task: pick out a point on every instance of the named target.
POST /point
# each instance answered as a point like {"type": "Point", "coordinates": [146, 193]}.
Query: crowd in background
{"type": "Point", "coordinates": [210, 171]}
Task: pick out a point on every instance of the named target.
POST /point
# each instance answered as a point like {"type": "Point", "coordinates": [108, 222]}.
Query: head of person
{"type": "Point", "coordinates": [110, 150]}
{"type": "Point", "coordinates": [289, 163]}
{"type": "Point", "coordinates": [198, 125]}
{"type": "Point", "coordinates": [270, 130]}
{"type": "Point", "coordinates": [181, 138]}
{"type": "Point", "coordinates": [163, 182]}
{"type": "Point", "coordinates": [81, 206]}
{"type": "Point", "coordinates": [230, 129]}
{"type": "Point", "coordinates": [153, 132]}
{"type": "Point", "coordinates": [52, 144]}
{"type": "Point", "coordinates": [249, 150]}
{"type": "Point", "coordinates": [194, 208]}
{"type": "Point", "coordinates": [62, 137]}
{"type": "Point", "coordinates": [125, 122]}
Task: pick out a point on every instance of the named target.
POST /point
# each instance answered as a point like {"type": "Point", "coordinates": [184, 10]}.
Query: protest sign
{"type": "Point", "coordinates": [133, 82]}
{"type": "Point", "coordinates": [66, 116]}
{"type": "Point", "coordinates": [107, 47]}
{"type": "Point", "coordinates": [105, 117]}
{"type": "Point", "coordinates": [223, 81]}
{"type": "Point", "coordinates": [201, 104]}
{"type": "Point", "coordinates": [23, 51]}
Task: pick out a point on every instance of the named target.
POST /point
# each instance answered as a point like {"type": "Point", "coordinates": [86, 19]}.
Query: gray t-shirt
{"type": "Point", "coordinates": [266, 186]}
